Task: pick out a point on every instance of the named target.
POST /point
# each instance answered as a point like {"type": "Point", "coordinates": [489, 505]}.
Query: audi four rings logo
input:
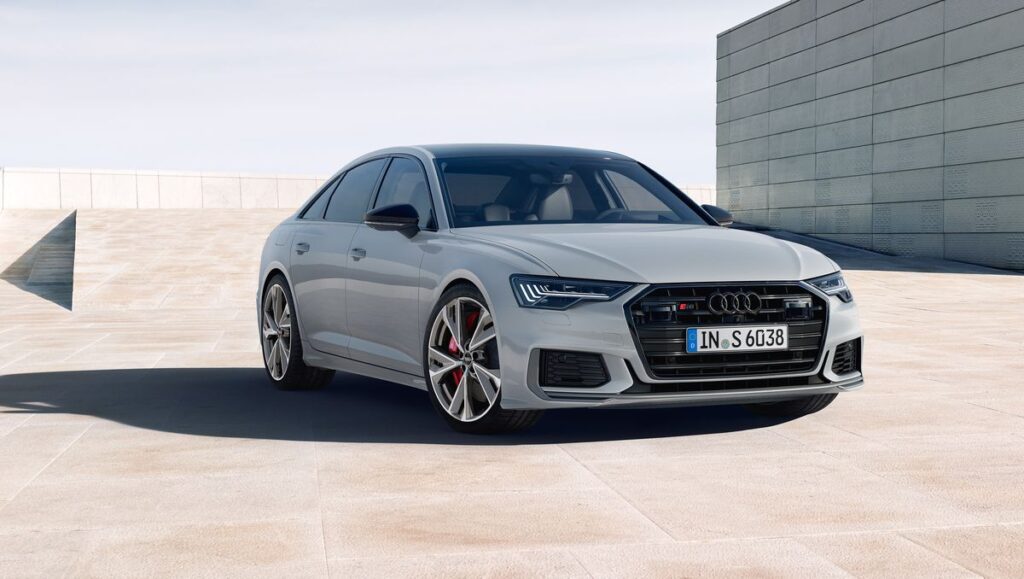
{"type": "Point", "coordinates": [734, 303]}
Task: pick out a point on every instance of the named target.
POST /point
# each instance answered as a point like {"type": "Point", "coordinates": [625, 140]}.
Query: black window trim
{"type": "Point", "coordinates": [373, 193]}
{"type": "Point", "coordinates": [326, 189]}
{"type": "Point", "coordinates": [426, 179]}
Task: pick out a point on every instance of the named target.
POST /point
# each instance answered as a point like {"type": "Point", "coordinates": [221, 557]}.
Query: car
{"type": "Point", "coordinates": [506, 280]}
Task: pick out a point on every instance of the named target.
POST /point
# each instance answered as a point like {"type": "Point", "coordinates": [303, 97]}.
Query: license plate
{"type": "Point", "coordinates": [737, 339]}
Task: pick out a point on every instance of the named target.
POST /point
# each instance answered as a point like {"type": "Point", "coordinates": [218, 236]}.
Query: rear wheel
{"type": "Point", "coordinates": [282, 344]}
{"type": "Point", "coordinates": [793, 408]}
{"type": "Point", "coordinates": [462, 367]}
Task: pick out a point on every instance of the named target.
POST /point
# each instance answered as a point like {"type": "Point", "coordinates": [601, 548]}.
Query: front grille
{"type": "Point", "coordinates": [571, 369]}
{"type": "Point", "coordinates": [847, 358]}
{"type": "Point", "coordinates": [659, 327]}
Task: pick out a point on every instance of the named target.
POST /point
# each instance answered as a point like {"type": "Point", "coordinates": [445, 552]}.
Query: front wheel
{"type": "Point", "coordinates": [462, 367]}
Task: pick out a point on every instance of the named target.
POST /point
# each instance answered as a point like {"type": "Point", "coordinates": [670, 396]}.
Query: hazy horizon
{"type": "Point", "coordinates": [304, 87]}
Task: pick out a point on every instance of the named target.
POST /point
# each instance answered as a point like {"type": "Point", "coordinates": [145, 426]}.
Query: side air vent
{"type": "Point", "coordinates": [847, 358]}
{"type": "Point", "coordinates": [560, 369]}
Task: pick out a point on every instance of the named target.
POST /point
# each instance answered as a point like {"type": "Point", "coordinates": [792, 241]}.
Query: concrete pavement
{"type": "Point", "coordinates": [139, 436]}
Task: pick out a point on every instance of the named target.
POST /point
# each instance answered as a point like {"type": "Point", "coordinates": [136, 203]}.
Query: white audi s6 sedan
{"type": "Point", "coordinates": [509, 279]}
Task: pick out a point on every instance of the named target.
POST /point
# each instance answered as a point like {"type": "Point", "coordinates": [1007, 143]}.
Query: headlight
{"type": "Point", "coordinates": [833, 284]}
{"type": "Point", "coordinates": [554, 293]}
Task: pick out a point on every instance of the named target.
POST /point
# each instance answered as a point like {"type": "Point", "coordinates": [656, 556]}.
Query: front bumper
{"type": "Point", "coordinates": [603, 329]}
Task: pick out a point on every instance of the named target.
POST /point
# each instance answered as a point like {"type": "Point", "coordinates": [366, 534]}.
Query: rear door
{"type": "Point", "coordinates": [320, 255]}
{"type": "Point", "coordinates": [382, 297]}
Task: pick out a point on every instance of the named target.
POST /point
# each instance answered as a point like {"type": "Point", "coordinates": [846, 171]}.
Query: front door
{"type": "Point", "coordinates": [382, 297]}
{"type": "Point", "coordinates": [319, 263]}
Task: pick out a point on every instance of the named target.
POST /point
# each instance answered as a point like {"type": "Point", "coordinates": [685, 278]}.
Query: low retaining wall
{"type": "Point", "coordinates": [23, 188]}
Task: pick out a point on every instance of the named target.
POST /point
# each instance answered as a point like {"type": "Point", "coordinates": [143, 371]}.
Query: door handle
{"type": "Point", "coordinates": [357, 253]}
{"type": "Point", "coordinates": [301, 247]}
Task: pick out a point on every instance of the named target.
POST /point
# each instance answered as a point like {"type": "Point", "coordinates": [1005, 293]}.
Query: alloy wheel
{"type": "Point", "coordinates": [462, 359]}
{"type": "Point", "coordinates": [277, 331]}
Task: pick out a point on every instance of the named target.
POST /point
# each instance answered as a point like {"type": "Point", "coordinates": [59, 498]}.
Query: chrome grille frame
{"type": "Point", "coordinates": [716, 367]}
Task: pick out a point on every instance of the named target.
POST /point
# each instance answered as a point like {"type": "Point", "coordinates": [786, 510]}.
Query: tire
{"type": "Point", "coordinates": [282, 343]}
{"type": "Point", "coordinates": [452, 367]}
{"type": "Point", "coordinates": [793, 408]}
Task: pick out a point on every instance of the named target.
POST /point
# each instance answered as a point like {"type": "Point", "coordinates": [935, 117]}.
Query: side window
{"type": "Point", "coordinates": [316, 209]}
{"type": "Point", "coordinates": [352, 196]}
{"type": "Point", "coordinates": [406, 183]}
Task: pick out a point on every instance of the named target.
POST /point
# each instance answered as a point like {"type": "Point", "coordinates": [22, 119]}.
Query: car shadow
{"type": "Point", "coordinates": [240, 402]}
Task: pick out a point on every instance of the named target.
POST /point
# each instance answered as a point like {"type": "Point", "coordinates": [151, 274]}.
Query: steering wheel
{"type": "Point", "coordinates": [613, 214]}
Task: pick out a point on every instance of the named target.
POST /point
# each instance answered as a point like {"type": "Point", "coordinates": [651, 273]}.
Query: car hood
{"type": "Point", "coordinates": [658, 253]}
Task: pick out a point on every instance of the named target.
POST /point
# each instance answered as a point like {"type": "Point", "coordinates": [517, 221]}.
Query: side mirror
{"type": "Point", "coordinates": [401, 217]}
{"type": "Point", "coordinates": [723, 217]}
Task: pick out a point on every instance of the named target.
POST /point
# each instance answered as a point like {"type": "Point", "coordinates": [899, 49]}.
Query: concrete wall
{"type": "Point", "coordinates": [22, 188]}
{"type": "Point", "coordinates": [896, 125]}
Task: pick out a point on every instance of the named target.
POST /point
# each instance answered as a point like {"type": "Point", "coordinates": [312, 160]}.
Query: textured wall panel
{"type": "Point", "coordinates": [793, 66]}
{"type": "Point", "coordinates": [987, 72]}
{"type": "Point", "coordinates": [749, 104]}
{"type": "Point", "coordinates": [31, 188]}
{"type": "Point", "coordinates": [910, 122]}
{"type": "Point", "coordinates": [845, 49]}
{"type": "Point", "coordinates": [750, 33]}
{"type": "Point", "coordinates": [845, 21]}
{"type": "Point", "coordinates": [911, 27]}
{"type": "Point", "coordinates": [791, 16]}
{"type": "Point", "coordinates": [985, 144]}
{"type": "Point", "coordinates": [749, 128]}
{"type": "Point", "coordinates": [844, 78]}
{"type": "Point", "coordinates": [800, 219]}
{"type": "Point", "coordinates": [844, 134]}
{"type": "Point", "coordinates": [963, 12]}
{"type": "Point", "coordinates": [913, 217]}
{"type": "Point", "coordinates": [916, 185]}
{"type": "Point", "coordinates": [791, 169]}
{"type": "Point", "coordinates": [829, 6]}
{"type": "Point", "coordinates": [791, 42]}
{"type": "Point", "coordinates": [114, 190]}
{"type": "Point", "coordinates": [916, 153]}
{"type": "Point", "coordinates": [909, 59]}
{"type": "Point", "coordinates": [843, 191]}
{"type": "Point", "coordinates": [887, 9]}
{"type": "Point", "coordinates": [800, 142]}
{"type": "Point", "coordinates": [753, 217]}
{"type": "Point", "coordinates": [794, 92]}
{"type": "Point", "coordinates": [843, 162]}
{"type": "Point", "coordinates": [797, 194]}
{"type": "Point", "coordinates": [1004, 250]}
{"type": "Point", "coordinates": [992, 179]}
{"type": "Point", "coordinates": [748, 198]}
{"type": "Point", "coordinates": [909, 244]}
{"type": "Point", "coordinates": [848, 105]}
{"type": "Point", "coordinates": [748, 175]}
{"type": "Point", "coordinates": [749, 81]}
{"type": "Point", "coordinates": [843, 219]}
{"type": "Point", "coordinates": [985, 215]}
{"type": "Point", "coordinates": [743, 152]}
{"type": "Point", "coordinates": [792, 118]}
{"type": "Point", "coordinates": [748, 58]}
{"type": "Point", "coordinates": [1001, 105]}
{"type": "Point", "coordinates": [985, 37]}
{"type": "Point", "coordinates": [908, 91]}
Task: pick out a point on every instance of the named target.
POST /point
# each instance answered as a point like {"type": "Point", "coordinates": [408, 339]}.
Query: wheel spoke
{"type": "Point", "coordinates": [270, 326]}
{"type": "Point", "coordinates": [273, 360]}
{"type": "Point", "coordinates": [447, 364]}
{"type": "Point", "coordinates": [453, 319]}
{"type": "Point", "coordinates": [458, 397]}
{"type": "Point", "coordinates": [283, 356]}
{"type": "Point", "coordinates": [467, 406]}
{"type": "Point", "coordinates": [490, 384]}
{"type": "Point", "coordinates": [483, 333]}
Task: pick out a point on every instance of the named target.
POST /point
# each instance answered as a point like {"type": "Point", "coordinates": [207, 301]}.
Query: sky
{"type": "Point", "coordinates": [305, 86]}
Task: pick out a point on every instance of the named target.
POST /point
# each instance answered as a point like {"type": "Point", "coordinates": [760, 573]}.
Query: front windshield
{"type": "Point", "coordinates": [527, 190]}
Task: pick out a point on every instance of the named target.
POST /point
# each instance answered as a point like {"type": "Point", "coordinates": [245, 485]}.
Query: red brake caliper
{"type": "Point", "coordinates": [453, 346]}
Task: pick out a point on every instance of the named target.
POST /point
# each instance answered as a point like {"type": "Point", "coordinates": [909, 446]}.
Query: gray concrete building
{"type": "Point", "coordinates": [895, 125]}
